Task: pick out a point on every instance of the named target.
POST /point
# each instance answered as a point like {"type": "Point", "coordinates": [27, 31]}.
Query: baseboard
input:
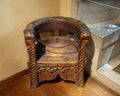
{"type": "Point", "coordinates": [12, 78]}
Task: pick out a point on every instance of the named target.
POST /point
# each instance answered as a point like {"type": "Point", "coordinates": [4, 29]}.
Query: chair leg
{"type": "Point", "coordinates": [33, 80]}
{"type": "Point", "coordinates": [33, 75]}
{"type": "Point", "coordinates": [80, 79]}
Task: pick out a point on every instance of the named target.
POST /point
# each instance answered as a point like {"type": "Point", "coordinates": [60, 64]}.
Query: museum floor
{"type": "Point", "coordinates": [57, 87]}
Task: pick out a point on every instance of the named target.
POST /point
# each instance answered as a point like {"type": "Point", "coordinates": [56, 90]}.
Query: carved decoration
{"type": "Point", "coordinates": [81, 62]}
{"type": "Point", "coordinates": [53, 69]}
{"type": "Point", "coordinates": [30, 42]}
{"type": "Point", "coordinates": [41, 71]}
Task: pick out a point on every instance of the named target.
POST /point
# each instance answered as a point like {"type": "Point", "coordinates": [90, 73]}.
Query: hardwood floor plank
{"type": "Point", "coordinates": [21, 87]}
{"type": "Point", "coordinates": [52, 90]}
{"type": "Point", "coordinates": [68, 88]}
{"type": "Point", "coordinates": [99, 88]}
{"type": "Point", "coordinates": [8, 80]}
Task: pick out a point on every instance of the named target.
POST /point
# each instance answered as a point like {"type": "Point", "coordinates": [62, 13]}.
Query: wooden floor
{"type": "Point", "coordinates": [57, 87]}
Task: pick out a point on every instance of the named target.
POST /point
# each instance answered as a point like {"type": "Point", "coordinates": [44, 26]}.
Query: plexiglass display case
{"type": "Point", "coordinates": [103, 19]}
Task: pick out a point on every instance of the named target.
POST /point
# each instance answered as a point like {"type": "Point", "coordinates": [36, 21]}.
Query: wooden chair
{"type": "Point", "coordinates": [61, 52]}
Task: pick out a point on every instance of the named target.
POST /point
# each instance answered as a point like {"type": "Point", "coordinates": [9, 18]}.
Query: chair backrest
{"type": "Point", "coordinates": [79, 29]}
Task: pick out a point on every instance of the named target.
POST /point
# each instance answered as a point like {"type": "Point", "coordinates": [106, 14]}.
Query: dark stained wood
{"type": "Point", "coordinates": [56, 32]}
{"type": "Point", "coordinates": [64, 67]}
{"type": "Point", "coordinates": [11, 79]}
{"type": "Point", "coordinates": [57, 87]}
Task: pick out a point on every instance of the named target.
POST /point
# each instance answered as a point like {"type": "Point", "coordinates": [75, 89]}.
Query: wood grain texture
{"type": "Point", "coordinates": [11, 79]}
{"type": "Point", "coordinates": [21, 87]}
{"type": "Point", "coordinates": [36, 47]}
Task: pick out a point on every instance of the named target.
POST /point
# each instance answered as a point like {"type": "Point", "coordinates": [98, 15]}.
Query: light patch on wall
{"type": "Point", "coordinates": [7, 20]}
{"type": "Point", "coordinates": [14, 16]}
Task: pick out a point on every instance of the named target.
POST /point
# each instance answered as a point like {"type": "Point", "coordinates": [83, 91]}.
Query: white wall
{"type": "Point", "coordinates": [14, 16]}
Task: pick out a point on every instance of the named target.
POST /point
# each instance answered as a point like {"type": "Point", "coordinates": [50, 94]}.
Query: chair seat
{"type": "Point", "coordinates": [59, 55]}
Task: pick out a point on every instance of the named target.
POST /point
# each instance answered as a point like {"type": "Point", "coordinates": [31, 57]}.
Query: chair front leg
{"type": "Point", "coordinates": [82, 59]}
{"type": "Point", "coordinates": [30, 42]}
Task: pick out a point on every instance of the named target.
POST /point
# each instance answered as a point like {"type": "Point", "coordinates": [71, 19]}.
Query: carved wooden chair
{"type": "Point", "coordinates": [56, 46]}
